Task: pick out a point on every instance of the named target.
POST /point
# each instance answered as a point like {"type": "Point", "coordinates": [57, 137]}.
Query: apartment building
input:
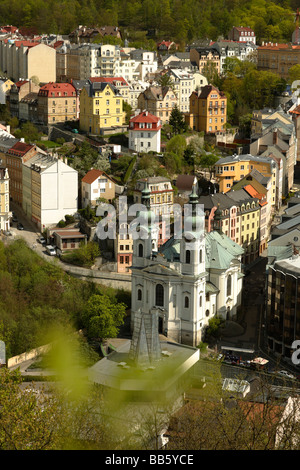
{"type": "Point", "coordinates": [203, 57]}
{"type": "Point", "coordinates": [242, 34]}
{"type": "Point", "coordinates": [283, 290]}
{"type": "Point", "coordinates": [161, 194]}
{"type": "Point", "coordinates": [136, 87]}
{"type": "Point", "coordinates": [260, 187]}
{"type": "Point", "coordinates": [26, 59]}
{"type": "Point", "coordinates": [145, 133]}
{"type": "Point", "coordinates": [101, 108]}
{"type": "Point", "coordinates": [279, 139]}
{"type": "Point", "coordinates": [5, 213]}
{"type": "Point", "coordinates": [50, 190]}
{"type": "Point", "coordinates": [184, 84]}
{"type": "Point", "coordinates": [236, 215]}
{"type": "Point", "coordinates": [208, 110]}
{"type": "Point", "coordinates": [57, 102]}
{"type": "Point", "coordinates": [159, 101]}
{"type": "Point", "coordinates": [231, 169]}
{"type": "Point", "coordinates": [18, 91]}
{"type": "Point", "coordinates": [277, 57]}
{"type": "Point", "coordinates": [13, 159]}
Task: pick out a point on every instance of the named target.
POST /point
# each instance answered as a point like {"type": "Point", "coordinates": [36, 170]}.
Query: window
{"type": "Point", "coordinates": [159, 295]}
{"type": "Point", "coordinates": [186, 302]}
{"type": "Point", "coordinates": [187, 256]}
{"type": "Point", "coordinates": [229, 282]}
{"type": "Point", "coordinates": [200, 256]}
{"type": "Point", "coordinates": [139, 295]}
{"type": "Point", "coordinates": [141, 250]}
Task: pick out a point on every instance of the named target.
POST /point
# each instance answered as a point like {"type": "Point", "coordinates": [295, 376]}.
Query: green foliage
{"type": "Point", "coordinates": [28, 131]}
{"type": "Point", "coordinates": [177, 121]}
{"type": "Point", "coordinates": [102, 318]}
{"type": "Point", "coordinates": [213, 330]}
{"type": "Point", "coordinates": [181, 21]}
{"type": "Point", "coordinates": [85, 255]}
{"type": "Point", "coordinates": [36, 296]}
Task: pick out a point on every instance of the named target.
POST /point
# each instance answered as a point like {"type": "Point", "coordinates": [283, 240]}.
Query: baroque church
{"type": "Point", "coordinates": [189, 280]}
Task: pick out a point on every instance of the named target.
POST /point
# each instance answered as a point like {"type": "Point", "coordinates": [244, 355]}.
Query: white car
{"type": "Point", "coordinates": [284, 373]}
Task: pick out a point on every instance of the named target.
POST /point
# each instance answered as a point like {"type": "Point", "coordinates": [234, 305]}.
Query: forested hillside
{"type": "Point", "coordinates": [180, 20]}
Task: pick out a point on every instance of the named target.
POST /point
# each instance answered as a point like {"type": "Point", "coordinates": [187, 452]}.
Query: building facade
{"type": "Point", "coordinates": [57, 102]}
{"type": "Point", "coordinates": [208, 110]}
{"type": "Point", "coordinates": [159, 101]}
{"type": "Point", "coordinates": [101, 108]}
{"type": "Point", "coordinates": [5, 213]}
{"type": "Point", "coordinates": [145, 133]}
{"type": "Point", "coordinates": [95, 185]}
{"type": "Point", "coordinates": [187, 285]}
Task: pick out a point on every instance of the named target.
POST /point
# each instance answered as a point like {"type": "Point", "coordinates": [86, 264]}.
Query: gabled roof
{"type": "Point", "coordinates": [145, 116]}
{"type": "Point", "coordinates": [93, 174]}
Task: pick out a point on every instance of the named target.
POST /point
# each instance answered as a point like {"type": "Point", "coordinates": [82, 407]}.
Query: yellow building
{"type": "Point", "coordinates": [208, 110]}
{"type": "Point", "coordinates": [101, 108]}
{"type": "Point", "coordinates": [229, 170]}
{"type": "Point", "coordinates": [5, 214]}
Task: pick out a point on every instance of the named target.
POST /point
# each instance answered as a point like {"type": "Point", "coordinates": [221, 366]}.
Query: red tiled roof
{"type": "Point", "coordinates": [58, 87]}
{"type": "Point", "coordinates": [21, 82]}
{"type": "Point", "coordinates": [20, 148]}
{"type": "Point", "coordinates": [92, 175]}
{"type": "Point", "coordinates": [296, 110]}
{"type": "Point", "coordinates": [145, 116]}
{"type": "Point", "coordinates": [253, 193]}
{"type": "Point", "coordinates": [108, 80]}
{"type": "Point", "coordinates": [278, 46]}
{"type": "Point", "coordinates": [242, 28]}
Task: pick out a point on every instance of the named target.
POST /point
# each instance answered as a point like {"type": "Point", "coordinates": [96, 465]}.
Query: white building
{"type": "Point", "coordinates": [192, 278]}
{"type": "Point", "coordinates": [145, 132]}
{"type": "Point", "coordinates": [50, 190]}
{"type": "Point", "coordinates": [184, 85]}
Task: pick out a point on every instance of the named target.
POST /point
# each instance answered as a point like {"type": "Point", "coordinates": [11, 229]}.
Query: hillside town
{"type": "Point", "coordinates": [165, 183]}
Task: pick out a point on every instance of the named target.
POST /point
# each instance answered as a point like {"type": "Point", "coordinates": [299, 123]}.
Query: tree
{"type": "Point", "coordinates": [28, 420]}
{"type": "Point", "coordinates": [294, 73]}
{"type": "Point", "coordinates": [102, 318]}
{"type": "Point", "coordinates": [208, 161]}
{"type": "Point", "coordinates": [177, 121]}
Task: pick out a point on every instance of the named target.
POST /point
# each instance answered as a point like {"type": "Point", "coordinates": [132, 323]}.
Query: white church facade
{"type": "Point", "coordinates": [190, 279]}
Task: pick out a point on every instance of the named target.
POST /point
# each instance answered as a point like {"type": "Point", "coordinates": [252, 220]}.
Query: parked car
{"type": "Point", "coordinates": [286, 374]}
{"type": "Point", "coordinates": [42, 240]}
{"type": "Point", "coordinates": [50, 250]}
{"type": "Point", "coordinates": [20, 226]}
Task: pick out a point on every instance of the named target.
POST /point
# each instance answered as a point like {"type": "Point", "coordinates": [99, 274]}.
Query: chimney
{"type": "Point", "coordinates": [275, 136]}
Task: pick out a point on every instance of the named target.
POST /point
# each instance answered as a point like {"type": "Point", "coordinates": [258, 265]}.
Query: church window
{"type": "Point", "coordinates": [186, 302]}
{"type": "Point", "coordinates": [207, 313]}
{"type": "Point", "coordinates": [200, 301]}
{"type": "Point", "coordinates": [229, 285]}
{"type": "Point", "coordinates": [187, 256]}
{"type": "Point", "coordinates": [139, 296]}
{"type": "Point", "coordinates": [141, 251]}
{"type": "Point", "coordinates": [159, 295]}
{"type": "Point", "coordinates": [200, 256]}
